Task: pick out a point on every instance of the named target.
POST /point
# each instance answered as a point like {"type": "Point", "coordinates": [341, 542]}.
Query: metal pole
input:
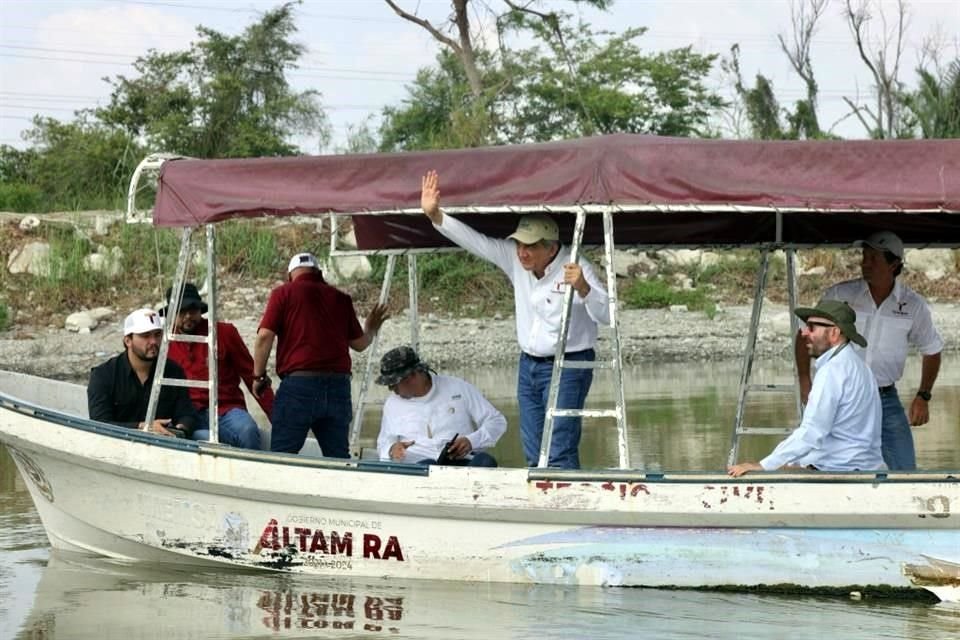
{"type": "Point", "coordinates": [176, 294]}
{"type": "Point", "coordinates": [371, 358]}
{"type": "Point", "coordinates": [794, 320]}
{"type": "Point", "coordinates": [623, 446]}
{"type": "Point", "coordinates": [213, 374]}
{"type": "Point", "coordinates": [413, 291]}
{"type": "Point", "coordinates": [561, 345]}
{"type": "Point", "coordinates": [749, 350]}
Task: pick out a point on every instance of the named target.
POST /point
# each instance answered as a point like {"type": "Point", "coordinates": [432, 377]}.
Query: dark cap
{"type": "Point", "coordinates": [397, 364]}
{"type": "Point", "coordinates": [191, 299]}
{"type": "Point", "coordinates": [842, 315]}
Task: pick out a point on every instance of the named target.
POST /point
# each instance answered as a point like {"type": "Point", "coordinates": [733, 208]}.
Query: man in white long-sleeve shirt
{"type": "Point", "coordinates": [540, 270]}
{"type": "Point", "coordinates": [840, 429]}
{"type": "Point", "coordinates": [431, 418]}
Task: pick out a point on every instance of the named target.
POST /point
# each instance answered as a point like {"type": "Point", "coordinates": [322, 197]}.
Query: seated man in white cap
{"type": "Point", "coordinates": [539, 269]}
{"type": "Point", "coordinates": [893, 317]}
{"type": "Point", "coordinates": [434, 419]}
{"type": "Point", "coordinates": [315, 327]}
{"type": "Point", "coordinates": [840, 429]}
{"type": "Point", "coordinates": [119, 389]}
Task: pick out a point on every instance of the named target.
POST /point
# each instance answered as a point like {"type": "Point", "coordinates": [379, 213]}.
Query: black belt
{"type": "Point", "coordinates": [889, 387]}
{"type": "Point", "coordinates": [551, 358]}
{"type": "Point", "coordinates": [309, 373]}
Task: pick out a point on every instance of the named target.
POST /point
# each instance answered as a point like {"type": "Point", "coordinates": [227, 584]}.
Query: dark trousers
{"type": "Point", "coordinates": [318, 404]}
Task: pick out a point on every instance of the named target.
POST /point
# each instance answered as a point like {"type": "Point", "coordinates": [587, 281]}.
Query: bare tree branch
{"type": "Point", "coordinates": [804, 15]}
{"type": "Point", "coordinates": [553, 23]}
{"type": "Point", "coordinates": [885, 73]}
{"type": "Point", "coordinates": [855, 110]}
{"type": "Point", "coordinates": [450, 42]}
{"type": "Point", "coordinates": [464, 48]}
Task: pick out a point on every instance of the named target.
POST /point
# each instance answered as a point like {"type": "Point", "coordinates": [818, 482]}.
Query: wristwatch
{"type": "Point", "coordinates": [926, 395]}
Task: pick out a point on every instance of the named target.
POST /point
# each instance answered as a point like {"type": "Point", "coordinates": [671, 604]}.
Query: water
{"type": "Point", "coordinates": [679, 419]}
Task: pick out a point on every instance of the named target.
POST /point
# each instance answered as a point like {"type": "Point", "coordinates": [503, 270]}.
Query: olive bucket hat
{"type": "Point", "coordinates": [840, 313]}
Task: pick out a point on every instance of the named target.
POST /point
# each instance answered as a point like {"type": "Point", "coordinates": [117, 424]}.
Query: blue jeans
{"type": "Point", "coordinates": [313, 403]}
{"type": "Point", "coordinates": [237, 428]}
{"type": "Point", "coordinates": [478, 459]}
{"type": "Point", "coordinates": [896, 439]}
{"type": "Point", "coordinates": [533, 394]}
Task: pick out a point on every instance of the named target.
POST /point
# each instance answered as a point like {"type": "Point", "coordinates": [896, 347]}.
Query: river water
{"type": "Point", "coordinates": [679, 417]}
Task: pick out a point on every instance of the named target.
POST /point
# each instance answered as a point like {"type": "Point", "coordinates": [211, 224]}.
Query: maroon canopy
{"type": "Point", "coordinates": [829, 191]}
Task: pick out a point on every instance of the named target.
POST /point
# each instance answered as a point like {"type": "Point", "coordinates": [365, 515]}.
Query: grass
{"type": "Point", "coordinates": [456, 283]}
{"type": "Point", "coordinates": [4, 315]}
{"type": "Point", "coordinates": [656, 293]}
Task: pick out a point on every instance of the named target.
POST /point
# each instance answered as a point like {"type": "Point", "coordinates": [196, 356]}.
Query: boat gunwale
{"type": "Point", "coordinates": [534, 475]}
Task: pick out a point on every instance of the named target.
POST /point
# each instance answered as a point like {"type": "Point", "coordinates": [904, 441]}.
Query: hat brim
{"type": "Point", "coordinates": [526, 237]}
{"type": "Point", "coordinates": [186, 304]}
{"type": "Point", "coordinates": [848, 329]}
{"type": "Point", "coordinates": [392, 378]}
{"type": "Point", "coordinates": [873, 245]}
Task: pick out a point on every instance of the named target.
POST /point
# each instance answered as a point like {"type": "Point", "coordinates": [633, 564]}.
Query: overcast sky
{"type": "Point", "coordinates": [54, 53]}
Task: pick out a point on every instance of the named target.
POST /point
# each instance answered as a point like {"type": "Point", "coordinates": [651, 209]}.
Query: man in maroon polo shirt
{"type": "Point", "coordinates": [315, 326]}
{"type": "Point", "coordinates": [234, 365]}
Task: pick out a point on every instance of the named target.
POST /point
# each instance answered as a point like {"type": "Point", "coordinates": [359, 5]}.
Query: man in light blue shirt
{"type": "Point", "coordinates": [840, 429]}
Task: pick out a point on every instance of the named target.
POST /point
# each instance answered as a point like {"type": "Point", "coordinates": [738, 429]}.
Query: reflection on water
{"type": "Point", "coordinates": [680, 417]}
{"type": "Point", "coordinates": [89, 598]}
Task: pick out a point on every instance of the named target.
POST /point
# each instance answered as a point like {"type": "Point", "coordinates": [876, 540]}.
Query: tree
{"type": "Point", "coordinates": [440, 112]}
{"type": "Point", "coordinates": [227, 96]}
{"type": "Point", "coordinates": [804, 16]}
{"type": "Point", "coordinates": [80, 163]}
{"type": "Point", "coordinates": [935, 105]}
{"type": "Point", "coordinates": [582, 86]}
{"type": "Point", "coordinates": [882, 57]}
{"type": "Point", "coordinates": [576, 83]}
{"type": "Point", "coordinates": [463, 46]}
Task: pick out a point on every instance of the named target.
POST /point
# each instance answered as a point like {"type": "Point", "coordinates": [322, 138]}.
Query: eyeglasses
{"type": "Point", "coordinates": [811, 325]}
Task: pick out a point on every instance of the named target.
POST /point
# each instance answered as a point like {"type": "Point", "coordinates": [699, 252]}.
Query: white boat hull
{"type": "Point", "coordinates": [108, 491]}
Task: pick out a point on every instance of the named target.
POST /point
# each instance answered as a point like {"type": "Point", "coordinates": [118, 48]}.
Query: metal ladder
{"type": "Point", "coordinates": [210, 339]}
{"type": "Point", "coordinates": [615, 364]}
{"type": "Point", "coordinates": [746, 387]}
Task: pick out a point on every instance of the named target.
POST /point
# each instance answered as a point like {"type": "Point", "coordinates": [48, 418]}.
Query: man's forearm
{"type": "Point", "coordinates": [261, 352]}
{"type": "Point", "coordinates": [929, 368]}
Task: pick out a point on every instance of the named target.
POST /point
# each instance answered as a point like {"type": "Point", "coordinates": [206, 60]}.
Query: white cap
{"type": "Point", "coordinates": [301, 260]}
{"type": "Point", "coordinates": [883, 241]}
{"type": "Point", "coordinates": [142, 321]}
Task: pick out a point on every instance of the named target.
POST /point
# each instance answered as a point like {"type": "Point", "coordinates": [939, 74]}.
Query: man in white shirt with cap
{"type": "Point", "coordinates": [540, 269]}
{"type": "Point", "coordinates": [893, 317]}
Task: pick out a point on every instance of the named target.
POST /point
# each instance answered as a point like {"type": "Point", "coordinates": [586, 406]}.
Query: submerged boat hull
{"type": "Point", "coordinates": [127, 495]}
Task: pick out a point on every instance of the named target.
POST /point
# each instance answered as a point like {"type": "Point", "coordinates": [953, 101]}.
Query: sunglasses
{"type": "Point", "coordinates": [811, 325]}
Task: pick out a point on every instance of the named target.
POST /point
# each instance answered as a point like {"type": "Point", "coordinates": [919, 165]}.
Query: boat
{"type": "Point", "coordinates": [132, 496]}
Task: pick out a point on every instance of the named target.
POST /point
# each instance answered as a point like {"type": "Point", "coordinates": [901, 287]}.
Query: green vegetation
{"type": "Point", "coordinates": [5, 318]}
{"type": "Point", "coordinates": [656, 293]}
{"type": "Point", "coordinates": [452, 282]}
{"type": "Point", "coordinates": [249, 249]}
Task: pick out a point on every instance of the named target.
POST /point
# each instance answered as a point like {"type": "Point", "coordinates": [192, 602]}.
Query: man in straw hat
{"type": "Point", "coordinates": [430, 418]}
{"type": "Point", "coordinates": [540, 269]}
{"type": "Point", "coordinates": [893, 317]}
{"type": "Point", "coordinates": [840, 429]}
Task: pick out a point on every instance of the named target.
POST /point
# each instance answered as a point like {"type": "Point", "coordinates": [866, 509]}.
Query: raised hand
{"type": "Point", "coordinates": [430, 196]}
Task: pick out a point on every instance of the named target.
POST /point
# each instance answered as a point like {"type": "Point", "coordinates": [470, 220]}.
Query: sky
{"type": "Point", "coordinates": [54, 54]}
